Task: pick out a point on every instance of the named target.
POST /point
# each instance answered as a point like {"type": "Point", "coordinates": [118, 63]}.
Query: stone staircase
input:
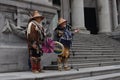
{"type": "Point", "coordinates": [94, 73]}
{"type": "Point", "coordinates": [93, 57]}
{"type": "Point", "coordinates": [92, 51]}
{"type": "Point", "coordinates": [96, 54]}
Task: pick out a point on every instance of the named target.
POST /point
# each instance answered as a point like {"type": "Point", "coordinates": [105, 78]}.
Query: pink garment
{"type": "Point", "coordinates": [48, 46]}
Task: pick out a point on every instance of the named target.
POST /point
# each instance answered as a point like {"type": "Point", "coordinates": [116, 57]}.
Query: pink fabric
{"type": "Point", "coordinates": [48, 46]}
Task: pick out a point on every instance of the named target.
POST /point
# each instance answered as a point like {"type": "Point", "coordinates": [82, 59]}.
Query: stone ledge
{"type": "Point", "coordinates": [101, 77]}
{"type": "Point", "coordinates": [48, 74]}
{"type": "Point", "coordinates": [11, 47]}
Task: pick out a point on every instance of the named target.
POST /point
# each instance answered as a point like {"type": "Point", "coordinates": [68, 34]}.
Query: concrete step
{"type": "Point", "coordinates": [102, 44]}
{"type": "Point", "coordinates": [95, 64]}
{"type": "Point", "coordinates": [93, 49]}
{"type": "Point", "coordinates": [93, 56]}
{"type": "Point", "coordinates": [89, 45]}
{"type": "Point", "coordinates": [76, 65]}
{"type": "Point", "coordinates": [63, 75]}
{"type": "Point", "coordinates": [93, 60]}
{"type": "Point", "coordinates": [79, 58]}
{"type": "Point", "coordinates": [97, 71]}
{"type": "Point", "coordinates": [82, 54]}
{"type": "Point", "coordinates": [90, 61]}
{"type": "Point", "coordinates": [90, 48]}
{"type": "Point", "coordinates": [79, 50]}
{"type": "Point", "coordinates": [79, 43]}
{"type": "Point", "coordinates": [113, 76]}
{"type": "Point", "coordinates": [76, 53]}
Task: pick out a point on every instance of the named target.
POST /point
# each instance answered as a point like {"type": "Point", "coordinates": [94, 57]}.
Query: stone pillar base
{"type": "Point", "coordinates": [83, 30]}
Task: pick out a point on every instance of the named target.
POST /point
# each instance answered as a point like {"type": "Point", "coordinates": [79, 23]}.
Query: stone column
{"type": "Point", "coordinates": [118, 4]}
{"type": "Point", "coordinates": [78, 15]}
{"type": "Point", "coordinates": [115, 14]}
{"type": "Point", "coordinates": [65, 10]}
{"type": "Point", "coordinates": [104, 20]}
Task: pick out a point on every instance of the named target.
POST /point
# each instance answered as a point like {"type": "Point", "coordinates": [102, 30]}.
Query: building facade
{"type": "Point", "coordinates": [96, 16]}
{"type": "Point", "coordinates": [90, 16]}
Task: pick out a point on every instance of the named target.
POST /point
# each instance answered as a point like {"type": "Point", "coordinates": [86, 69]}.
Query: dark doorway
{"type": "Point", "coordinates": [90, 20]}
{"type": "Point", "coordinates": [56, 2]}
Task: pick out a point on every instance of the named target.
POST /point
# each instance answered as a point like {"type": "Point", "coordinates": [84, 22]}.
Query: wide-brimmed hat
{"type": "Point", "coordinates": [61, 20]}
{"type": "Point", "coordinates": [36, 14]}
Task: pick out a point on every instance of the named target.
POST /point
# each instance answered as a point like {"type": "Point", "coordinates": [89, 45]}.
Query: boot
{"type": "Point", "coordinates": [60, 68]}
{"type": "Point", "coordinates": [33, 65]}
{"type": "Point", "coordinates": [59, 63]}
{"type": "Point", "coordinates": [39, 66]}
{"type": "Point", "coordinates": [66, 67]}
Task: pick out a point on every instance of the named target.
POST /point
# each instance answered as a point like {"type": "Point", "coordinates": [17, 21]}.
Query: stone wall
{"type": "Point", "coordinates": [90, 3]}
{"type": "Point", "coordinates": [14, 16]}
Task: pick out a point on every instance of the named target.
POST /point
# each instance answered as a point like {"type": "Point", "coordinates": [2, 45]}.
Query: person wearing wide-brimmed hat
{"type": "Point", "coordinates": [64, 36]}
{"type": "Point", "coordinates": [35, 37]}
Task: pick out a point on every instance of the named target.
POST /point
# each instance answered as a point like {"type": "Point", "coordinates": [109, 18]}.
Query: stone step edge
{"type": "Point", "coordinates": [94, 56]}
{"type": "Point", "coordinates": [30, 75]}
{"type": "Point", "coordinates": [100, 77]}
{"type": "Point", "coordinates": [95, 50]}
{"type": "Point", "coordinates": [92, 59]}
{"type": "Point", "coordinates": [88, 63]}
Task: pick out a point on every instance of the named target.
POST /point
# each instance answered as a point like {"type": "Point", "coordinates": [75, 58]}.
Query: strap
{"type": "Point", "coordinates": [41, 29]}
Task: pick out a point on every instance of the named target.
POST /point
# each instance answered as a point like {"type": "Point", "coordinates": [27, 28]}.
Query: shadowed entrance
{"type": "Point", "coordinates": [90, 20]}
